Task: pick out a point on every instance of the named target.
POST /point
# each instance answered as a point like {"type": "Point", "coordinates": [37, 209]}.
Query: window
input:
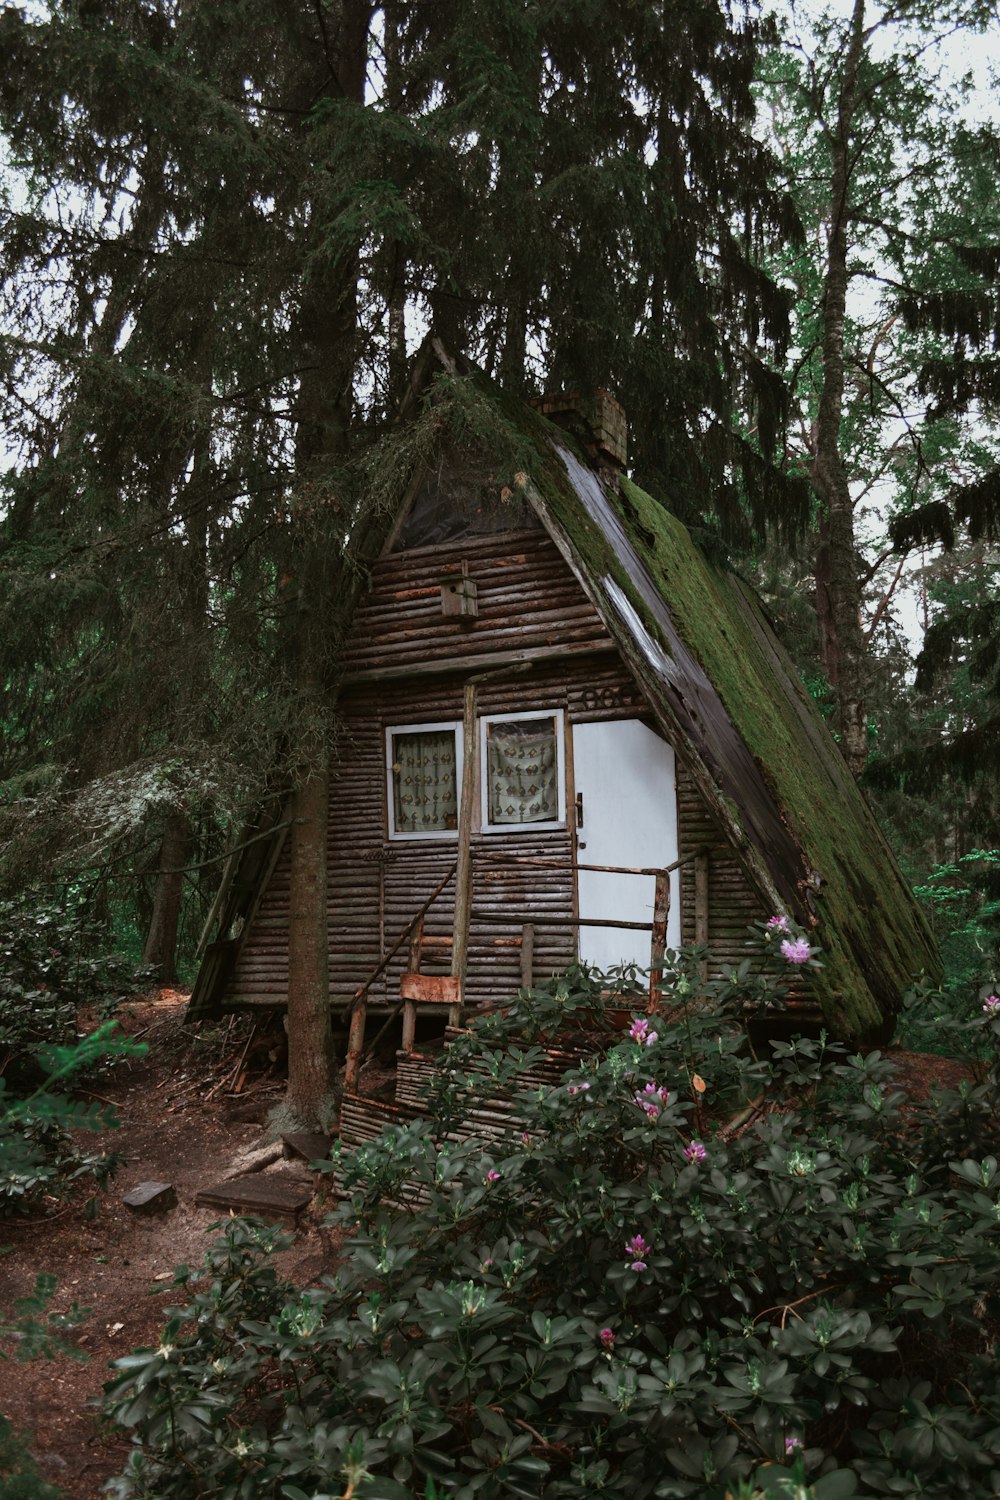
{"type": "Point", "coordinates": [424, 770]}
{"type": "Point", "coordinates": [522, 772]}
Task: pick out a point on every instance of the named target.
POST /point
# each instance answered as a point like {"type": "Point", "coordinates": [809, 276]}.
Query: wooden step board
{"type": "Point", "coordinates": [271, 1196]}
{"type": "Point", "coordinates": [306, 1145]}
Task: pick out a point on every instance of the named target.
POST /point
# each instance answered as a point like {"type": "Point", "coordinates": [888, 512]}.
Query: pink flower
{"type": "Point", "coordinates": [492, 1176]}
{"type": "Point", "coordinates": [796, 950]}
{"type": "Point", "coordinates": [639, 1032]}
{"type": "Point", "coordinates": [695, 1151]}
{"type": "Point", "coordinates": [792, 1445]}
{"type": "Point", "coordinates": [652, 1100]}
{"type": "Point", "coordinates": [635, 1249]}
{"type": "Point", "coordinates": [578, 1088]}
{"type": "Point", "coordinates": [991, 1005]}
{"type": "Point", "coordinates": [778, 923]}
{"type": "Point", "coordinates": [607, 1338]}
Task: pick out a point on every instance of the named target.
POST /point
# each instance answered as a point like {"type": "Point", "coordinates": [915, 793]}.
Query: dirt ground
{"type": "Point", "coordinates": [189, 1110]}
{"type": "Point", "coordinates": [181, 1122]}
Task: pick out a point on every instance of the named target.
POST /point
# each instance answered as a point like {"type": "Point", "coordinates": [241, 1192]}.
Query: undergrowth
{"type": "Point", "coordinates": [695, 1267]}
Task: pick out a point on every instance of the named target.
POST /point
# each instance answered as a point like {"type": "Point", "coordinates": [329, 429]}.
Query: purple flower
{"type": "Point", "coordinates": [607, 1338]}
{"type": "Point", "coordinates": [792, 1445]}
{"type": "Point", "coordinates": [778, 923]}
{"type": "Point", "coordinates": [578, 1088]}
{"type": "Point", "coordinates": [695, 1151]}
{"type": "Point", "coordinates": [639, 1032]}
{"type": "Point", "coordinates": [492, 1176]}
{"type": "Point", "coordinates": [991, 1005]}
{"type": "Point", "coordinates": [652, 1100]}
{"type": "Point", "coordinates": [796, 950]}
{"type": "Point", "coordinates": [638, 1265]}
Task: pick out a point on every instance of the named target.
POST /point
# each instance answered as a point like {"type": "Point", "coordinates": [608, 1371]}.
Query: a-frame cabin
{"type": "Point", "coordinates": [554, 643]}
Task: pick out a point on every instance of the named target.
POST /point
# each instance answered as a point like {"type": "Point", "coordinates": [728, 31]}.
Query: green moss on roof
{"type": "Point", "coordinates": [874, 934]}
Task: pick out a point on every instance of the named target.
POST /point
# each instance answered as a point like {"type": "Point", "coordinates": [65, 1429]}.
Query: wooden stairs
{"type": "Point", "coordinates": [363, 1117]}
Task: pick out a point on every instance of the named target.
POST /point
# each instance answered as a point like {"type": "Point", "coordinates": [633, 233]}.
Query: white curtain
{"type": "Point", "coordinates": [424, 781]}
{"type": "Point", "coordinates": [522, 768]}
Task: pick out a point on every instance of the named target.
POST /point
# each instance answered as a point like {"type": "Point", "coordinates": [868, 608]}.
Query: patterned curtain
{"type": "Point", "coordinates": [424, 781]}
{"type": "Point", "coordinates": [522, 769]}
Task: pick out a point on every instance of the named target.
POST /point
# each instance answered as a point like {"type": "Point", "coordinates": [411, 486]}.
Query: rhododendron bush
{"type": "Point", "coordinates": [703, 1265]}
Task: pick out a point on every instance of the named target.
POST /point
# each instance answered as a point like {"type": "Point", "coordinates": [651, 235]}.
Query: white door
{"type": "Point", "coordinates": [625, 775]}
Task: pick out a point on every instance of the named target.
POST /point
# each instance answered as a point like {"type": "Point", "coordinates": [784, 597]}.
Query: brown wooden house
{"type": "Point", "coordinates": [547, 688]}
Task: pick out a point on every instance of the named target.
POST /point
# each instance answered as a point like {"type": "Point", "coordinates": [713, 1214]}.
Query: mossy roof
{"type": "Point", "coordinates": [729, 698]}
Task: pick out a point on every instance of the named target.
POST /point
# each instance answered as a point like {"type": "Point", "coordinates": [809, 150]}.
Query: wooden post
{"type": "Point", "coordinates": [463, 877]}
{"type": "Point", "coordinates": [527, 955]}
{"type": "Point", "coordinates": [701, 905]}
{"type": "Point", "coordinates": [216, 906]}
{"type": "Point", "coordinates": [410, 1006]}
{"type": "Point", "coordinates": [661, 914]}
{"type": "Point", "coordinates": [355, 1042]}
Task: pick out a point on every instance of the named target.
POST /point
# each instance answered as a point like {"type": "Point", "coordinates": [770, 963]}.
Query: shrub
{"type": "Point", "coordinates": [38, 1157]}
{"type": "Point", "coordinates": [689, 1271]}
{"type": "Point", "coordinates": [53, 962]}
{"type": "Point", "coordinates": [962, 899]}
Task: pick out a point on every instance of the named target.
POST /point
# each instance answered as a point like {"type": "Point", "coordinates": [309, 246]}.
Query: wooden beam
{"type": "Point", "coordinates": [487, 661]}
{"type": "Point", "coordinates": [536, 919]}
{"type": "Point", "coordinates": [562, 864]}
{"type": "Point", "coordinates": [661, 914]}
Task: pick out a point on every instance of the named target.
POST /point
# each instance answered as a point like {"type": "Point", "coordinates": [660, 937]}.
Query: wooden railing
{"type": "Point", "coordinates": [436, 989]}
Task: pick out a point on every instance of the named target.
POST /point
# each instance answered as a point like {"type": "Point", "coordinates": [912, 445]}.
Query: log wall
{"type": "Point", "coordinates": [528, 599]}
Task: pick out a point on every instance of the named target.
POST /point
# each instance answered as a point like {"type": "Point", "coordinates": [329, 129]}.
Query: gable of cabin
{"type": "Point", "coordinates": [555, 672]}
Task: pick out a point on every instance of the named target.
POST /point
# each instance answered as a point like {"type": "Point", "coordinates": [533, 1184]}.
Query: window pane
{"type": "Point", "coordinates": [424, 781]}
{"type": "Point", "coordinates": [522, 769]}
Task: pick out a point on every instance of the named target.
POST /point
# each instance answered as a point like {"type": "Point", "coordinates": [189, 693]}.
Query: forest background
{"type": "Point", "coordinates": [224, 230]}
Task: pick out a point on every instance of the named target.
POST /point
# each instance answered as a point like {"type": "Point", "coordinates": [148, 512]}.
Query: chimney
{"type": "Point", "coordinates": [596, 420]}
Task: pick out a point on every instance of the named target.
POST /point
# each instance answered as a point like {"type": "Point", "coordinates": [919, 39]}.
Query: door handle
{"type": "Point", "coordinates": [579, 809]}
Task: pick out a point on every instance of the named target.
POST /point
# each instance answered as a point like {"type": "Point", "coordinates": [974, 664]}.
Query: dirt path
{"type": "Point", "coordinates": [118, 1263]}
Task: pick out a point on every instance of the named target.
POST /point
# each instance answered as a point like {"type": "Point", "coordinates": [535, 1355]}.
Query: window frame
{"type": "Point", "coordinates": [542, 826]}
{"type": "Point", "coordinates": [421, 727]}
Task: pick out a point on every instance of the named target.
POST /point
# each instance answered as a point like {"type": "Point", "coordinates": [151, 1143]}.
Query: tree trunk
{"type": "Point", "coordinates": [160, 950]}
{"type": "Point", "coordinates": [842, 641]}
{"type": "Point", "coordinates": [311, 1078]}
{"type": "Point", "coordinates": [327, 321]}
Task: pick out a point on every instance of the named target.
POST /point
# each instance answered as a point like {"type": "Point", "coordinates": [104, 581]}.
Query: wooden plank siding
{"type": "Point", "coordinates": [528, 598]}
